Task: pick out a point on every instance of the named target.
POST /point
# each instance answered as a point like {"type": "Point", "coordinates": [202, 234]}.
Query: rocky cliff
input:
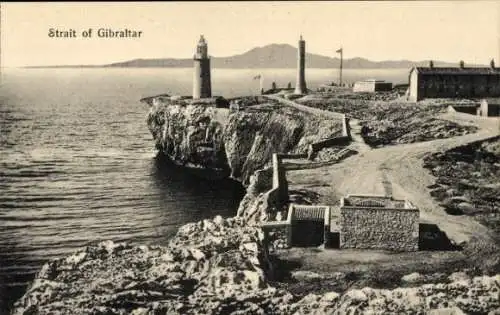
{"type": "Point", "coordinates": [234, 143]}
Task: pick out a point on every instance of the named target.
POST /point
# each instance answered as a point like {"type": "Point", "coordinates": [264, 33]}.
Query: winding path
{"type": "Point", "coordinates": [311, 110]}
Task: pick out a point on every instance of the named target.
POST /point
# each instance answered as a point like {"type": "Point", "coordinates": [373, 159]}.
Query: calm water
{"type": "Point", "coordinates": [77, 163]}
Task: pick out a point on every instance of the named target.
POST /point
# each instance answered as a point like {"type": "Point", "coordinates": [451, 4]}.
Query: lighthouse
{"type": "Point", "coordinates": [300, 85]}
{"type": "Point", "coordinates": [202, 86]}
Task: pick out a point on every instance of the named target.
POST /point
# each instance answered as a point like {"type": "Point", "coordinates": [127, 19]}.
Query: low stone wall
{"type": "Point", "coordinates": [379, 228]}
{"type": "Point", "coordinates": [346, 128]}
{"type": "Point", "coordinates": [279, 179]}
{"type": "Point", "coordinates": [342, 140]}
{"type": "Point", "coordinates": [292, 156]}
{"type": "Point", "coordinates": [466, 109]}
{"type": "Point", "coordinates": [317, 146]}
{"type": "Point", "coordinates": [278, 233]}
{"type": "Point", "coordinates": [470, 117]}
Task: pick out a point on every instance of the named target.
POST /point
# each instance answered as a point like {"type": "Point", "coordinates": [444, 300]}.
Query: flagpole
{"type": "Point", "coordinates": [261, 81]}
{"type": "Point", "coordinates": [341, 60]}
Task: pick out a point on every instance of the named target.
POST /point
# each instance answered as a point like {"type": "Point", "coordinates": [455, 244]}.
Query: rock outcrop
{"type": "Point", "coordinates": [477, 295]}
{"type": "Point", "coordinates": [467, 180]}
{"type": "Point", "coordinates": [209, 267]}
{"type": "Point", "coordinates": [467, 184]}
{"type": "Point", "coordinates": [233, 142]}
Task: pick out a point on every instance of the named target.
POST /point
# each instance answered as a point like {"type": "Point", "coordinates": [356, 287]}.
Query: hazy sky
{"type": "Point", "coordinates": [442, 30]}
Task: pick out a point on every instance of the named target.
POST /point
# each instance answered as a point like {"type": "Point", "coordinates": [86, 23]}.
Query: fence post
{"type": "Point", "coordinates": [326, 237]}
{"type": "Point", "coordinates": [289, 220]}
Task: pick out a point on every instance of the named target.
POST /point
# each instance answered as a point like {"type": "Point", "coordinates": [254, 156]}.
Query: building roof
{"type": "Point", "coordinates": [373, 80]}
{"type": "Point", "coordinates": [458, 70]}
{"type": "Point", "coordinates": [375, 201]}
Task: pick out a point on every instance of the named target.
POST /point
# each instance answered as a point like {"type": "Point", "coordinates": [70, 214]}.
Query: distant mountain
{"type": "Point", "coordinates": [271, 56]}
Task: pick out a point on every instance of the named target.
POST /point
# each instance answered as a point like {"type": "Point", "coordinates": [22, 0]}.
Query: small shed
{"type": "Point", "coordinates": [372, 85]}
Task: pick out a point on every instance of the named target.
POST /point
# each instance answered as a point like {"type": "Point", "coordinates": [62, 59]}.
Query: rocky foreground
{"type": "Point", "coordinates": [221, 266]}
{"type": "Point", "coordinates": [467, 180]}
{"type": "Point", "coordinates": [467, 183]}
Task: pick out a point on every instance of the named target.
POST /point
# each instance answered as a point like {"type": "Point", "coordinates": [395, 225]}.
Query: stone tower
{"type": "Point", "coordinates": [202, 87]}
{"type": "Point", "coordinates": [300, 86]}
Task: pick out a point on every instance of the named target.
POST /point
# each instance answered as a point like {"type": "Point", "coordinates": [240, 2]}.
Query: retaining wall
{"type": "Point", "coordinates": [318, 146]}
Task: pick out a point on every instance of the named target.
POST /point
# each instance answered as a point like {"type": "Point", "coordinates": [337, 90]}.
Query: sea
{"type": "Point", "coordinates": [78, 164]}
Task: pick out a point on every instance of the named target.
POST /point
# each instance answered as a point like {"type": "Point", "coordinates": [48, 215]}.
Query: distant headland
{"type": "Point", "coordinates": [269, 56]}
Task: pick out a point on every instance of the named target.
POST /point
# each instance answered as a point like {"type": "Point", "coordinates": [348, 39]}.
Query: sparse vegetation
{"type": "Point", "coordinates": [387, 121]}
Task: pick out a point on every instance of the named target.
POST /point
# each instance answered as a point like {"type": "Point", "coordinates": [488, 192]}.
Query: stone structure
{"type": "Point", "coordinates": [470, 109]}
{"type": "Point", "coordinates": [361, 221]}
{"type": "Point", "coordinates": [310, 224]}
{"type": "Point", "coordinates": [202, 86]}
{"type": "Point", "coordinates": [372, 85]}
{"type": "Point", "coordinates": [279, 178]}
{"type": "Point", "coordinates": [378, 222]}
{"type": "Point", "coordinates": [300, 85]}
{"type": "Point", "coordinates": [449, 82]}
{"type": "Point", "coordinates": [279, 233]}
{"type": "Point", "coordinates": [489, 107]}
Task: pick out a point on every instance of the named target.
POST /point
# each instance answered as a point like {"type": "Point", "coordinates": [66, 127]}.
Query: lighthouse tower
{"type": "Point", "coordinates": [202, 86]}
{"type": "Point", "coordinates": [300, 86]}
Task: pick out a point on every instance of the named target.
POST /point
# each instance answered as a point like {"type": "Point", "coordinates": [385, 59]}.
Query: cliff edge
{"type": "Point", "coordinates": [230, 142]}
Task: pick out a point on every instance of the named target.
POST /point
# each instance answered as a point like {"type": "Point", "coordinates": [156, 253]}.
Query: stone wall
{"type": "Point", "coordinates": [379, 228]}
{"type": "Point", "coordinates": [271, 187]}
{"type": "Point", "coordinates": [279, 179]}
{"type": "Point", "coordinates": [342, 140]}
